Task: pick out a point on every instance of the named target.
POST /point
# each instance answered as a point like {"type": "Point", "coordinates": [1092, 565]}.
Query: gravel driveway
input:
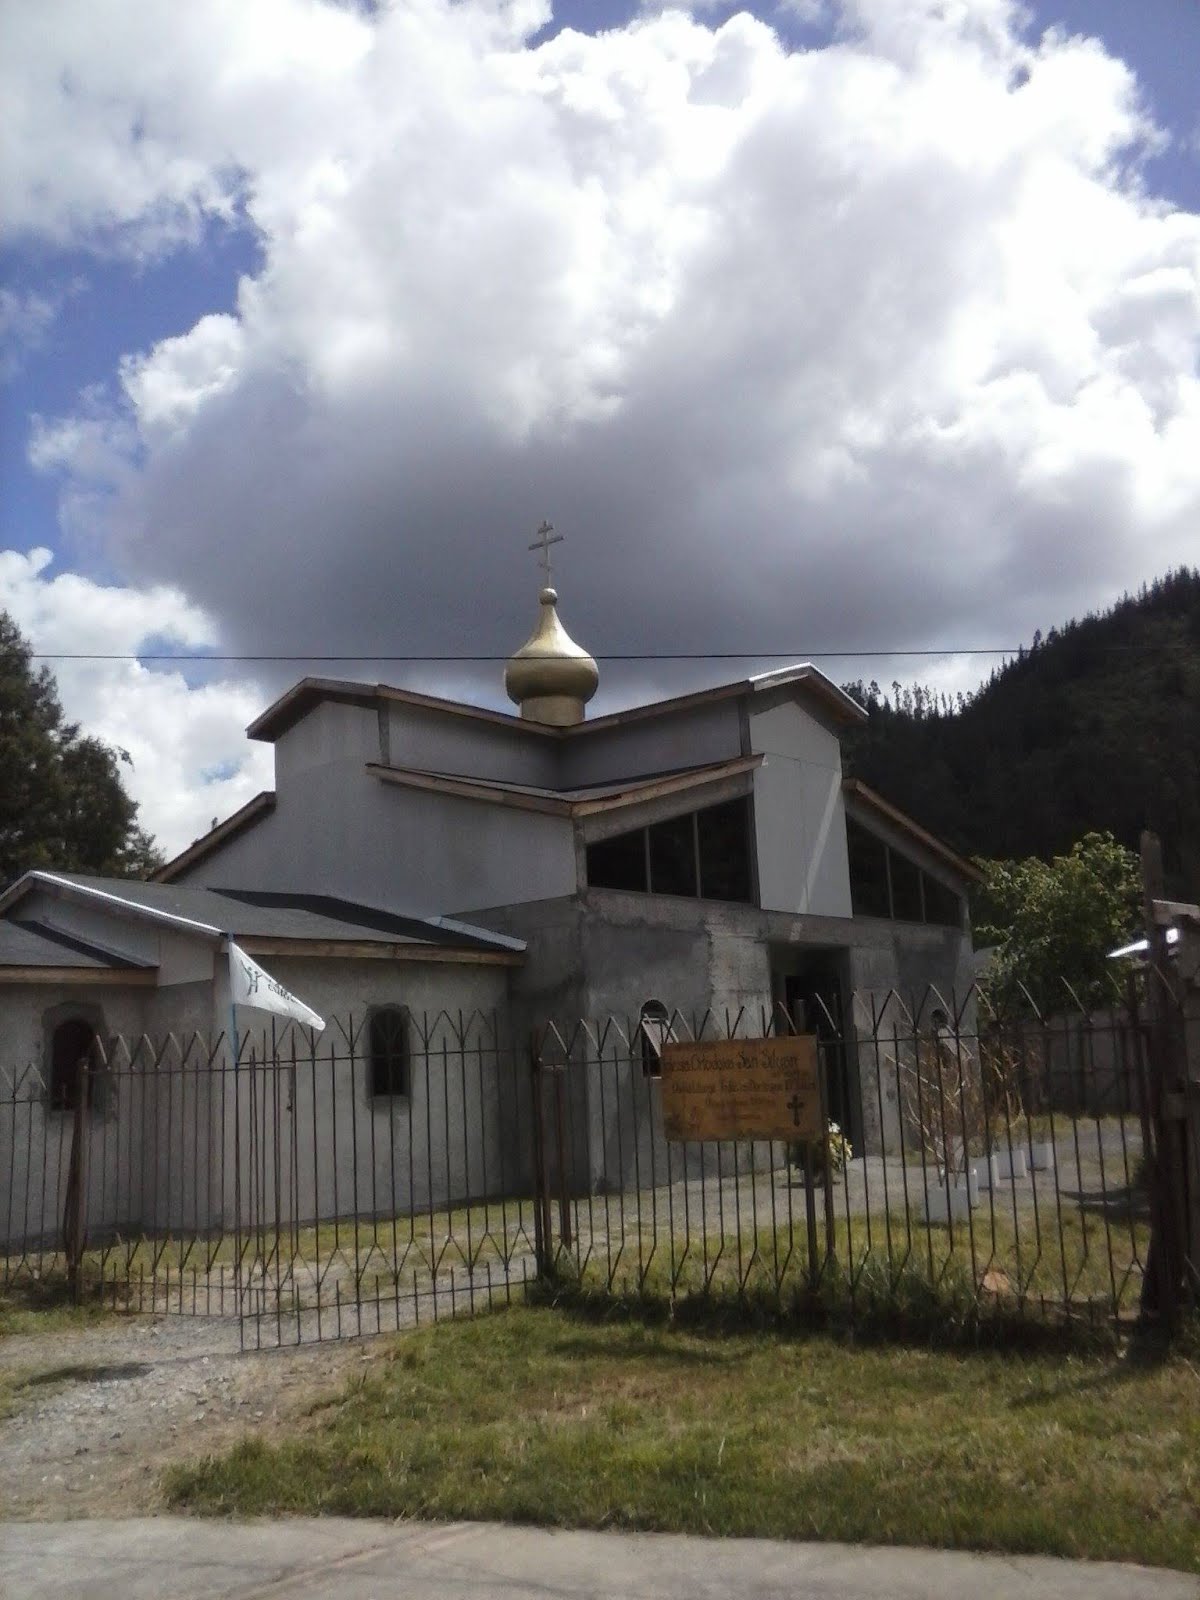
{"type": "Point", "coordinates": [101, 1410]}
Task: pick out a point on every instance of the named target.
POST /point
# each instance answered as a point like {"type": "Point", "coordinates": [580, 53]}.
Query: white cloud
{"type": "Point", "coordinates": [881, 344]}
{"type": "Point", "coordinates": [174, 733]}
{"type": "Point", "coordinates": [25, 319]}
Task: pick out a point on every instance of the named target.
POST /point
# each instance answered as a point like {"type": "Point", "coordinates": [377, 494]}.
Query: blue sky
{"type": "Point", "coordinates": [308, 313]}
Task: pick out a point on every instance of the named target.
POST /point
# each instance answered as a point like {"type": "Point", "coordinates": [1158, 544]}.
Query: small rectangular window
{"type": "Point", "coordinates": [673, 856]}
{"type": "Point", "coordinates": [723, 834]}
{"type": "Point", "coordinates": [388, 1044]}
{"type": "Point", "coordinates": [618, 863]}
{"type": "Point", "coordinates": [72, 1062]}
{"type": "Point", "coordinates": [868, 872]}
{"type": "Point", "coordinates": [655, 1031]}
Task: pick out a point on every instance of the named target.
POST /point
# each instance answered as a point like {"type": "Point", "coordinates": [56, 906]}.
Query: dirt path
{"type": "Point", "coordinates": [100, 1411]}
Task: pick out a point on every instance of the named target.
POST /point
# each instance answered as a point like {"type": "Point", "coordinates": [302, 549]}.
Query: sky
{"type": "Point", "coordinates": [820, 328]}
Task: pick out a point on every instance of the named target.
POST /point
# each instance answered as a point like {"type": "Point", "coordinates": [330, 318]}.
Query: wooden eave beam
{"type": "Point", "coordinates": [548, 805]}
{"type": "Point", "coordinates": [372, 950]}
{"type": "Point", "coordinates": [465, 789]}
{"type": "Point", "coordinates": [81, 977]}
{"type": "Point", "coordinates": [659, 788]}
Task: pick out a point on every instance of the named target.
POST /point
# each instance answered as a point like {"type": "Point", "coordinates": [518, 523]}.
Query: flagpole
{"type": "Point", "coordinates": [237, 1130]}
{"type": "Point", "coordinates": [233, 1038]}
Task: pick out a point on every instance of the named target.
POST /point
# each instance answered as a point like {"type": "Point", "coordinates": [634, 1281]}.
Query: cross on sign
{"type": "Point", "coordinates": [546, 536]}
{"type": "Point", "coordinates": [795, 1105]}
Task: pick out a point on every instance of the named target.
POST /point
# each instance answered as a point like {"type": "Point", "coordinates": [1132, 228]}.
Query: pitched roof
{"type": "Point", "coordinates": [300, 699]}
{"type": "Point", "coordinates": [254, 914]}
{"type": "Point", "coordinates": [35, 944]}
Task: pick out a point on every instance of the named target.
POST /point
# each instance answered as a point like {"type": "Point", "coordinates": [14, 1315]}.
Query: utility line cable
{"type": "Point", "coordinates": [598, 655]}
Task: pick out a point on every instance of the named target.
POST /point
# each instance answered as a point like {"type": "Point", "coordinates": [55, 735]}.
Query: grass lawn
{"type": "Point", "coordinates": [537, 1415]}
{"type": "Point", "coordinates": [31, 1306]}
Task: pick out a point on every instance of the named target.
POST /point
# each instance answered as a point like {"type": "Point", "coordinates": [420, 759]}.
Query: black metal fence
{"type": "Point", "coordinates": [971, 1174]}
{"type": "Point", "coordinates": [373, 1175]}
{"type": "Point", "coordinates": [313, 1186]}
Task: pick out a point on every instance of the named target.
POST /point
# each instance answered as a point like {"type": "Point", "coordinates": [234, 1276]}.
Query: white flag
{"type": "Point", "coordinates": [249, 985]}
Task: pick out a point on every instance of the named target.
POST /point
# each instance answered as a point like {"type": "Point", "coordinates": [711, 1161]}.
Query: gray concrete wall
{"type": "Point", "coordinates": [900, 974]}
{"type": "Point", "coordinates": [701, 959]}
{"type": "Point", "coordinates": [337, 828]}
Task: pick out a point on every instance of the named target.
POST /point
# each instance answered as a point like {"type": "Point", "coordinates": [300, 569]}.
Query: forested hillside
{"type": "Point", "coordinates": [1096, 726]}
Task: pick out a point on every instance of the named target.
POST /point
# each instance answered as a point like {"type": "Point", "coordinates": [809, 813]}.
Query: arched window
{"type": "Point", "coordinates": [388, 1044]}
{"type": "Point", "coordinates": [654, 1030]}
{"type": "Point", "coordinates": [71, 1042]}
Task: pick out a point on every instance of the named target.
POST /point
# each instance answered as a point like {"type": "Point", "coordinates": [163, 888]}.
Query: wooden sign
{"type": "Point", "coordinates": [742, 1089]}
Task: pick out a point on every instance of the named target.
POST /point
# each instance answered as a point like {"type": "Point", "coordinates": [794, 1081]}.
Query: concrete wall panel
{"type": "Point", "coordinates": [799, 814]}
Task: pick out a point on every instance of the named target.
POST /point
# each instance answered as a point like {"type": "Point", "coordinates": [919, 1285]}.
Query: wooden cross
{"type": "Point", "coordinates": [546, 536]}
{"type": "Point", "coordinates": [795, 1105]}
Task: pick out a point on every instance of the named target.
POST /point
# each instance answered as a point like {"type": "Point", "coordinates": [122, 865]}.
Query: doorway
{"type": "Point", "coordinates": [815, 995]}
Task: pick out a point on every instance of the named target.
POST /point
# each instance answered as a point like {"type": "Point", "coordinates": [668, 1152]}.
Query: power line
{"type": "Point", "coordinates": [631, 655]}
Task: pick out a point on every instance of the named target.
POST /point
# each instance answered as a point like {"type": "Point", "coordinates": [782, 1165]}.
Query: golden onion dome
{"type": "Point", "coordinates": [550, 677]}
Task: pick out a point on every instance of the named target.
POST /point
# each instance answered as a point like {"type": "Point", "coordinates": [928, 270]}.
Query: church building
{"type": "Point", "coordinates": [704, 851]}
{"type": "Point", "coordinates": [700, 853]}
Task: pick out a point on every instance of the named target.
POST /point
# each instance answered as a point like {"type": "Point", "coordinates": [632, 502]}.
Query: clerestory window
{"type": "Point", "coordinates": [886, 883]}
{"type": "Point", "coordinates": [703, 854]}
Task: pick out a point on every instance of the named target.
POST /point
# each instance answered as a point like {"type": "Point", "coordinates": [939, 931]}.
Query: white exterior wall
{"type": "Point", "coordinates": [180, 957]}
{"type": "Point", "coordinates": [339, 829]}
{"type": "Point", "coordinates": [469, 746]}
{"type": "Point", "coordinates": [328, 1148]}
{"type": "Point", "coordinates": [170, 1111]}
{"type": "Point", "coordinates": [799, 815]}
{"type": "Point", "coordinates": [688, 738]}
{"type": "Point", "coordinates": [332, 734]}
{"type": "Point", "coordinates": [35, 1142]}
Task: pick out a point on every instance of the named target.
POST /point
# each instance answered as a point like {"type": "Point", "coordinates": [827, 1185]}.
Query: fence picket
{"type": "Point", "coordinates": [308, 1206]}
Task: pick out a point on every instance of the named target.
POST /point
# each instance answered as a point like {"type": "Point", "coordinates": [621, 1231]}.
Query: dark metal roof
{"type": "Point", "coordinates": [248, 913]}
{"type": "Point", "coordinates": [34, 944]}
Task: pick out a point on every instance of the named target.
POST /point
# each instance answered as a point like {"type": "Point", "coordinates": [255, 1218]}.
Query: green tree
{"type": "Point", "coordinates": [1053, 923]}
{"type": "Point", "coordinates": [1095, 726]}
{"type": "Point", "coordinates": [62, 802]}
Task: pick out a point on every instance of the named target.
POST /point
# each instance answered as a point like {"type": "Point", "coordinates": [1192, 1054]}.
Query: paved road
{"type": "Point", "coordinates": [357, 1560]}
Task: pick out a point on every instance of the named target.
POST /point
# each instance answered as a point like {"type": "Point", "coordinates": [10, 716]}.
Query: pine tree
{"type": "Point", "coordinates": [62, 803]}
{"type": "Point", "coordinates": [1096, 728]}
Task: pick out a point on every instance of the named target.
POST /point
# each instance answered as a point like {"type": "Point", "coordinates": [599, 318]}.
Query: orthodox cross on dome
{"type": "Point", "coordinates": [546, 536]}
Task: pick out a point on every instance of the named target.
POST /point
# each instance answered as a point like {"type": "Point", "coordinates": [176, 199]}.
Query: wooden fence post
{"type": "Point", "coordinates": [75, 1199]}
{"type": "Point", "coordinates": [1187, 964]}
{"type": "Point", "coordinates": [543, 1239]}
{"type": "Point", "coordinates": [1171, 1267]}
